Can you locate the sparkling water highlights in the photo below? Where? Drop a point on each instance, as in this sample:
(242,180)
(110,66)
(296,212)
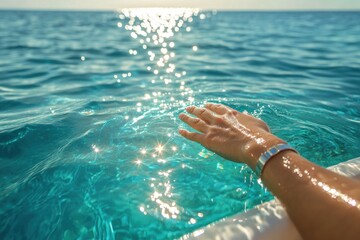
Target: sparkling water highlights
(89,103)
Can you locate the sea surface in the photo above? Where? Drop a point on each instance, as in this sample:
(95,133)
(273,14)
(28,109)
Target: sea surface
(89,101)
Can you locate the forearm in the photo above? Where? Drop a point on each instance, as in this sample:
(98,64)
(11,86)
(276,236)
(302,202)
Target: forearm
(322,204)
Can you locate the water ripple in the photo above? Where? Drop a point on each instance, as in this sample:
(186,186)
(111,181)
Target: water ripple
(89,105)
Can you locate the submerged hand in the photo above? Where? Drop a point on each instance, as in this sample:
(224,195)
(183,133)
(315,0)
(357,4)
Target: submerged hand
(233,135)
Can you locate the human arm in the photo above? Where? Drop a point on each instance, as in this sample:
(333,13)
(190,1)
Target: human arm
(322,204)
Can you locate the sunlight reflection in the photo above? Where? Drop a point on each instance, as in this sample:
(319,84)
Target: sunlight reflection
(314,179)
(159,148)
(95,148)
(154,30)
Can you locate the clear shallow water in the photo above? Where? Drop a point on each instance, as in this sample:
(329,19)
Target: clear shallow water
(88,116)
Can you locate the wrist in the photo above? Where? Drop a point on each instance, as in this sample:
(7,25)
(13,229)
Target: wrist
(257,146)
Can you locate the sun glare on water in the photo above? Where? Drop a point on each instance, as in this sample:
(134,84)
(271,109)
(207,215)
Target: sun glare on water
(155,31)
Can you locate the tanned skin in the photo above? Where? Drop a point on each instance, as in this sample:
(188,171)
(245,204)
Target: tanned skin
(320,203)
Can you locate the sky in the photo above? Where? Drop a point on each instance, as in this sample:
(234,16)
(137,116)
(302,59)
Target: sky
(204,4)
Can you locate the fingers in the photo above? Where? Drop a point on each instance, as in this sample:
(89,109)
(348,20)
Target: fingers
(195,137)
(217,108)
(222,109)
(201,113)
(195,123)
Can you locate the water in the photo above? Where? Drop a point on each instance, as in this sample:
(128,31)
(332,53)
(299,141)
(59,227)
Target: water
(88,128)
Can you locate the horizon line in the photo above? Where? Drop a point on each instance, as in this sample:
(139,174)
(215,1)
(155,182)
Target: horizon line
(203,9)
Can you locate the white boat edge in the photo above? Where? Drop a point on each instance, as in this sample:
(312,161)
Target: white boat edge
(267,221)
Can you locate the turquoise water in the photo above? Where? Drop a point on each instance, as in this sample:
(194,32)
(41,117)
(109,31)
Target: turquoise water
(89,102)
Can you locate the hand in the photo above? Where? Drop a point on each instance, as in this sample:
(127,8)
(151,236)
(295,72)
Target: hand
(233,135)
